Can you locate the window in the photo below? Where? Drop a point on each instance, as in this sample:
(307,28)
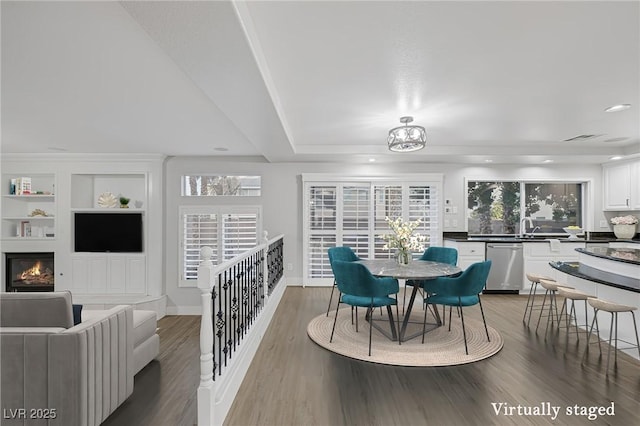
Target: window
(496,207)
(553,206)
(214,185)
(351,212)
(229,231)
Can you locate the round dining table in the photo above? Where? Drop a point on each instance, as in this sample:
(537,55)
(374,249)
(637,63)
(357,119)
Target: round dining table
(415,270)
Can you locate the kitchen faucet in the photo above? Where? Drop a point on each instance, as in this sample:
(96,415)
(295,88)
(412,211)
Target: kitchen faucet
(522,226)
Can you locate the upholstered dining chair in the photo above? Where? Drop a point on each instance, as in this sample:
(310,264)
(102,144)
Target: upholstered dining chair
(345,254)
(446,255)
(358,287)
(463,290)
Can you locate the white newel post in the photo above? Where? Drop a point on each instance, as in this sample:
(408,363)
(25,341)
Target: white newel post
(206,390)
(265,267)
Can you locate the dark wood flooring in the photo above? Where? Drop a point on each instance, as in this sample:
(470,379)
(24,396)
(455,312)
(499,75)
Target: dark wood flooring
(292,381)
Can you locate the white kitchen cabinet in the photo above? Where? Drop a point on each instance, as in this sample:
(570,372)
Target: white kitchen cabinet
(108,273)
(468,252)
(620,186)
(537,256)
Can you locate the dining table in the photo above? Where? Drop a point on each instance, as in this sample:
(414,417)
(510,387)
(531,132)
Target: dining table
(418,270)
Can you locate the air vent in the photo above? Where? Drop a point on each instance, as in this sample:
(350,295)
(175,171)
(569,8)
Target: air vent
(581,138)
(612,140)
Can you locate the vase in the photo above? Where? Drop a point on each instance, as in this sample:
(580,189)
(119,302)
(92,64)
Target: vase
(624,232)
(403,257)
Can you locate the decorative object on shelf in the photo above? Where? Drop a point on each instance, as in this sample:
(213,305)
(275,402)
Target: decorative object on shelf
(107,200)
(12,187)
(624,227)
(23,186)
(404,239)
(124,202)
(407,138)
(38,212)
(573,231)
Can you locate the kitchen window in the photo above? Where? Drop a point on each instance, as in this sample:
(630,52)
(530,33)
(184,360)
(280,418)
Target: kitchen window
(497,207)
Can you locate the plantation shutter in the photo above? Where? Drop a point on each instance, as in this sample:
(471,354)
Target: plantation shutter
(424,205)
(355,218)
(198,230)
(228,230)
(239,234)
(322,228)
(388,203)
(344,211)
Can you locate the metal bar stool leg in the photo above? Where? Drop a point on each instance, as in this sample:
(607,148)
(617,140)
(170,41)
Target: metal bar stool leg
(544,300)
(635,327)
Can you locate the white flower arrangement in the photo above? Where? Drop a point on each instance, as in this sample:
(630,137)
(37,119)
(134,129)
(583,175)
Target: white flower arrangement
(404,237)
(624,220)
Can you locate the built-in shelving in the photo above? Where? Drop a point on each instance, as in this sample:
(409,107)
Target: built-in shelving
(20,218)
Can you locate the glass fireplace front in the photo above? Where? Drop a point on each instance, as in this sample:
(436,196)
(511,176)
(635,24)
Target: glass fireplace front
(29,272)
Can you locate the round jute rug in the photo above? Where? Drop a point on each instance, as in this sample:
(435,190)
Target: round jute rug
(441,348)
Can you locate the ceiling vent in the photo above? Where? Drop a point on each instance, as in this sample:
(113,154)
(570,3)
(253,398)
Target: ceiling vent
(612,140)
(582,138)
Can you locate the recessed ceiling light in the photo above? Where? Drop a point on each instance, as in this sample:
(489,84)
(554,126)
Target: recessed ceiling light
(488,160)
(616,157)
(221,149)
(618,108)
(548,161)
(372,160)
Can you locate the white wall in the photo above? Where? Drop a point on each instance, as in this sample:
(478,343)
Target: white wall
(282,195)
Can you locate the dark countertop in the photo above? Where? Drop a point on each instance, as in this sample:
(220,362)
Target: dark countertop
(596,275)
(625,255)
(489,239)
(594,237)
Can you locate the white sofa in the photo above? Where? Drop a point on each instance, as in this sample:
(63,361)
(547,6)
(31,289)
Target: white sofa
(82,372)
(146,343)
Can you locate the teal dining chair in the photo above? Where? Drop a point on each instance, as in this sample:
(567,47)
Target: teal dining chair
(446,255)
(345,254)
(461,291)
(358,287)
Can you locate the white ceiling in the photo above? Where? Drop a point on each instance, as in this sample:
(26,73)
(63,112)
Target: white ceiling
(322,81)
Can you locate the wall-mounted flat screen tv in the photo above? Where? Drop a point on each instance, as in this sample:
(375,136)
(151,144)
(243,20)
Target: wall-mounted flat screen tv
(108,232)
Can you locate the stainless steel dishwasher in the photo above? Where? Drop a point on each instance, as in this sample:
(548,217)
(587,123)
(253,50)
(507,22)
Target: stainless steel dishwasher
(506,271)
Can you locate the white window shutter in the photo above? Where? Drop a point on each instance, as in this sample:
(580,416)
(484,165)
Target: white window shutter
(239,234)
(198,230)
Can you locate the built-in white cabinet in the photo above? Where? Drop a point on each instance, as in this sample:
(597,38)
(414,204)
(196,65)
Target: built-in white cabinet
(65,186)
(104,273)
(620,186)
(28,215)
(468,252)
(537,256)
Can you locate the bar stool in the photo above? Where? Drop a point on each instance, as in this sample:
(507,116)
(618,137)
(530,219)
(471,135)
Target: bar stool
(613,309)
(573,295)
(551,288)
(535,280)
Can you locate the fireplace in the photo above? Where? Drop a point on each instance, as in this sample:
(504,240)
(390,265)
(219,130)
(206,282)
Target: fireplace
(29,272)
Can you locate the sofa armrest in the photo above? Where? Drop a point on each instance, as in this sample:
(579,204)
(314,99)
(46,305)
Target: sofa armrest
(84,372)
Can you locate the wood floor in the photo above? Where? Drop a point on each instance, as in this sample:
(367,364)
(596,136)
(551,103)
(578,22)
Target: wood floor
(292,381)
